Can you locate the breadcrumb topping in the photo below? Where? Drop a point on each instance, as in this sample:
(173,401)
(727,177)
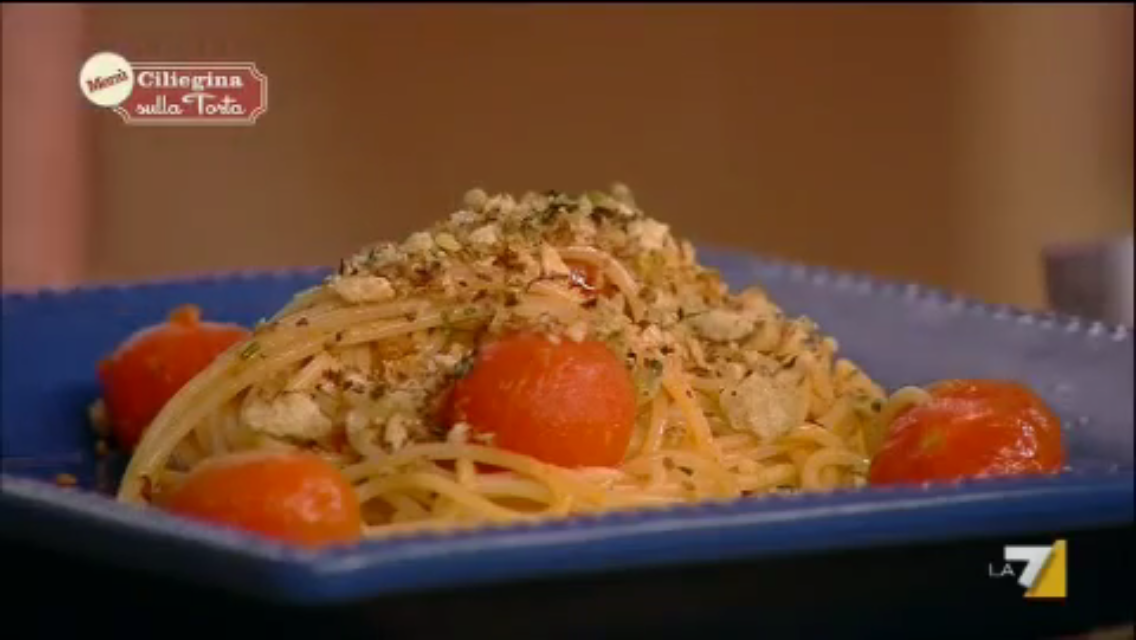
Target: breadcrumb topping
(591,266)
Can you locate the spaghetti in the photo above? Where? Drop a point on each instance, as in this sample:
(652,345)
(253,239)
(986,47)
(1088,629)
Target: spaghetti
(734,398)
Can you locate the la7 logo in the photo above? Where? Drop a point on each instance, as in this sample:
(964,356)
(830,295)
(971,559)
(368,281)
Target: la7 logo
(1044,574)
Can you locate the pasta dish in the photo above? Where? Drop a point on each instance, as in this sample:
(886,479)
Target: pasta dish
(527,358)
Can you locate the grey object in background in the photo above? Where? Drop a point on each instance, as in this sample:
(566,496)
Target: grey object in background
(1093,280)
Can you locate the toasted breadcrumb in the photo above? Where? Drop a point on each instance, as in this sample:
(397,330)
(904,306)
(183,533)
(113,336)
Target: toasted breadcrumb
(591,266)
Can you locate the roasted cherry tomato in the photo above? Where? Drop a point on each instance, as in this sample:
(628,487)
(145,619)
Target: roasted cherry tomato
(293,497)
(153,364)
(970,428)
(564,402)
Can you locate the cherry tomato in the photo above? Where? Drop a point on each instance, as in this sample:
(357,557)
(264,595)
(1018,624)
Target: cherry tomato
(153,364)
(293,497)
(567,403)
(970,428)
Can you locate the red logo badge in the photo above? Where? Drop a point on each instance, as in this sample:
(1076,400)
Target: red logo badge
(176,93)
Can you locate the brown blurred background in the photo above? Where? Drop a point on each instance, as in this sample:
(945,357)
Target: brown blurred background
(939,143)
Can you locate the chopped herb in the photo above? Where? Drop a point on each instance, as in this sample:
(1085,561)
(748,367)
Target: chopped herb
(447,321)
(558,203)
(463,368)
(602,204)
(250,350)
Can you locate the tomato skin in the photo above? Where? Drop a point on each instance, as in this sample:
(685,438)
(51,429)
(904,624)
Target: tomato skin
(291,497)
(971,428)
(149,367)
(566,403)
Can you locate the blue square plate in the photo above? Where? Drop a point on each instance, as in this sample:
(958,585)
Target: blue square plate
(901,334)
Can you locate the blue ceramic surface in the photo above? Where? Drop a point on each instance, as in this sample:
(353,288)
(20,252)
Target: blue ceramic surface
(901,334)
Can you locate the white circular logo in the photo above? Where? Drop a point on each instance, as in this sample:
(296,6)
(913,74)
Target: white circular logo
(107,79)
